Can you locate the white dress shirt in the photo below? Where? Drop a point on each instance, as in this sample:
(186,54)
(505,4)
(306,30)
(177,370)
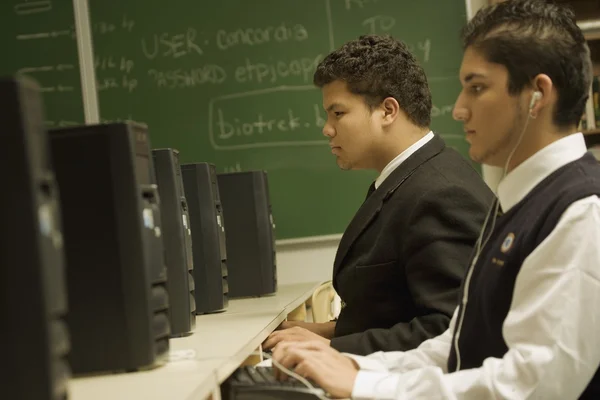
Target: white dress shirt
(400,158)
(552,329)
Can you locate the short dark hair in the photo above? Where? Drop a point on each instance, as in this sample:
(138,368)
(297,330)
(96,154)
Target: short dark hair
(531,37)
(377,67)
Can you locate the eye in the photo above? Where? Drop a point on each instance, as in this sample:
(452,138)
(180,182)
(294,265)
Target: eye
(476,89)
(338,113)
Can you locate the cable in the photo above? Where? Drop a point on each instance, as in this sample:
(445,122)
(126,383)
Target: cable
(479,245)
(315,390)
(192,355)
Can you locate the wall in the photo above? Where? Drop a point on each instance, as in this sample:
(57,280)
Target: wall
(306,262)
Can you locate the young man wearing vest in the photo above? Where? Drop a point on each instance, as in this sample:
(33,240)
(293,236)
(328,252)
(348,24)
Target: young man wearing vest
(527,325)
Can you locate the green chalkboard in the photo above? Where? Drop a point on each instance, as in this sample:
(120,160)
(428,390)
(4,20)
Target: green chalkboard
(37,38)
(230,82)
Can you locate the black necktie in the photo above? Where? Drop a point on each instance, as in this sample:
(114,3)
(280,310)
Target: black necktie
(371,190)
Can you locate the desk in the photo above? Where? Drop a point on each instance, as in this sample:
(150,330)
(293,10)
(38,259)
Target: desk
(199,363)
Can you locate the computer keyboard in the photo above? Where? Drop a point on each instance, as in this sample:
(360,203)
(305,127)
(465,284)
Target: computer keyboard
(259,383)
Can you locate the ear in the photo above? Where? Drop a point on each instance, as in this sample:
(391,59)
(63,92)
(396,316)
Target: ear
(542,84)
(390,109)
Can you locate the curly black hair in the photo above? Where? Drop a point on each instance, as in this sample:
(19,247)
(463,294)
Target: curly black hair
(531,37)
(377,67)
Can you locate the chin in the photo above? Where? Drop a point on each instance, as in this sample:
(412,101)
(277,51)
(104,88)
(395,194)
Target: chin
(344,166)
(475,156)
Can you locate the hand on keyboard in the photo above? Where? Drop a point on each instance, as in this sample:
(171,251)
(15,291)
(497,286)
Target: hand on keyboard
(259,383)
(331,370)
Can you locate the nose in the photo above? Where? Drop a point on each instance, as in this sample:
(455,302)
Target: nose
(460,112)
(328,130)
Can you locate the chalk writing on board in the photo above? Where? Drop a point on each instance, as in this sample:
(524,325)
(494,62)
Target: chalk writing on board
(441,110)
(188,78)
(422,49)
(379,24)
(255,36)
(112,62)
(105,27)
(43,35)
(172,45)
(64,67)
(320,118)
(236,167)
(349,4)
(32,7)
(260,124)
(273,71)
(113,120)
(127,23)
(61,123)
(29,70)
(123,82)
(58,88)
(283,127)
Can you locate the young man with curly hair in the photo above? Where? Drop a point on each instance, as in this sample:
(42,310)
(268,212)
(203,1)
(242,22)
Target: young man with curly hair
(400,262)
(527,324)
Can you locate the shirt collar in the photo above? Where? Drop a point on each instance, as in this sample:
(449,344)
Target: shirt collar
(400,158)
(521,180)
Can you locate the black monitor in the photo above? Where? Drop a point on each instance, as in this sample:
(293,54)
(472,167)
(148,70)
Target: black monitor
(177,238)
(208,233)
(33,299)
(118,301)
(250,229)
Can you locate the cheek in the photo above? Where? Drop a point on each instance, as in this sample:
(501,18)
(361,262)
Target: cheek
(492,118)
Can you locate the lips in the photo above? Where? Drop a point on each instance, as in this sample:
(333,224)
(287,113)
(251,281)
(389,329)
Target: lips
(469,134)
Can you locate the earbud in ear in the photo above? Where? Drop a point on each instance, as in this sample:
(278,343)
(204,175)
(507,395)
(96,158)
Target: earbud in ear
(534,99)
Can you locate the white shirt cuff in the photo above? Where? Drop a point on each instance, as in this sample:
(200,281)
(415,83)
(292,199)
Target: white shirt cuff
(375,385)
(366,363)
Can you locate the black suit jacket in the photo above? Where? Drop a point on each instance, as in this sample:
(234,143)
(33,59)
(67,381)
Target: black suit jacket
(400,263)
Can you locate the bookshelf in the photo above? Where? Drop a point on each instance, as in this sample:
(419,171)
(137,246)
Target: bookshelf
(587,13)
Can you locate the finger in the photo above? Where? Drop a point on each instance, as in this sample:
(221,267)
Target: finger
(280,351)
(289,335)
(281,337)
(316,367)
(300,360)
(309,365)
(271,341)
(284,356)
(285,325)
(287,362)
(314,345)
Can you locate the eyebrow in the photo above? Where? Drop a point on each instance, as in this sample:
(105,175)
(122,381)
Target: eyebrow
(334,105)
(472,76)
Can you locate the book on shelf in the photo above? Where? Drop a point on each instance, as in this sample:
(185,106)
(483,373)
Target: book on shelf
(591,117)
(596,98)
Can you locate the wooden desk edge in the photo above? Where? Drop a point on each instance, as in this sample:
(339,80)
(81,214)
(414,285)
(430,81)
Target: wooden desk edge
(230,364)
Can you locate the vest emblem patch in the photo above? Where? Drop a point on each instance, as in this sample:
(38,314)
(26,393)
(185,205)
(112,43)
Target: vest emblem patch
(508,242)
